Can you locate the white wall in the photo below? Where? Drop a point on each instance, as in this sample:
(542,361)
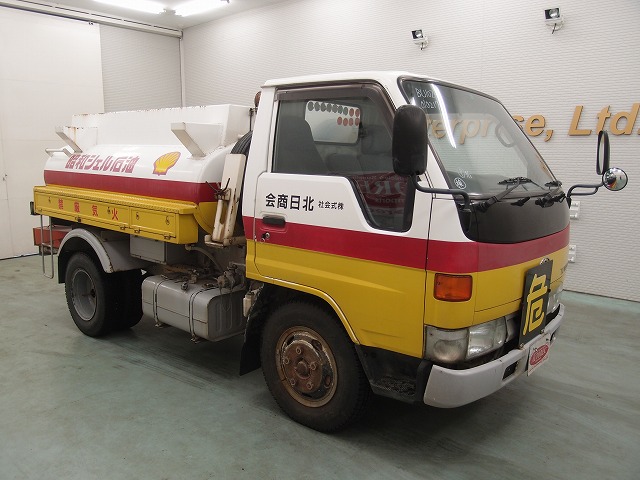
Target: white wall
(49,70)
(140,70)
(502,47)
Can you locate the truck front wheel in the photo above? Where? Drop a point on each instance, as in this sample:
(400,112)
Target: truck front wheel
(312,369)
(88,292)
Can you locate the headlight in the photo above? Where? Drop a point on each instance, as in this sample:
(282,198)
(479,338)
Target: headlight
(450,346)
(447,345)
(486,337)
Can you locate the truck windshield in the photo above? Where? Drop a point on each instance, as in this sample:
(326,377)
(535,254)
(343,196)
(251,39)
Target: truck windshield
(479,146)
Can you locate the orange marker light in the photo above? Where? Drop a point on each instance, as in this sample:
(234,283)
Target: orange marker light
(452,288)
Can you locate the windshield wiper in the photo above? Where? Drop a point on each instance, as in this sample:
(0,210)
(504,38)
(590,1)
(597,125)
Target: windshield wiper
(523,180)
(551,197)
(520,202)
(515,182)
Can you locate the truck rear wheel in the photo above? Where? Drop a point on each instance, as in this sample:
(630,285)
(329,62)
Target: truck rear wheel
(89,296)
(312,369)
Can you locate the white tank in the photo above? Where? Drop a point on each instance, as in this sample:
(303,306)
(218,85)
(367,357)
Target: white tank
(167,154)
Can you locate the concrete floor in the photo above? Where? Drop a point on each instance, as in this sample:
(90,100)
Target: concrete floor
(149,404)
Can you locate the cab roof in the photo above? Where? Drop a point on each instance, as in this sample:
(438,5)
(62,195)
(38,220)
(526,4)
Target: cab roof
(386,78)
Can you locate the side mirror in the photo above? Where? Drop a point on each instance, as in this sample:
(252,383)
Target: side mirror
(614,179)
(409,146)
(602,158)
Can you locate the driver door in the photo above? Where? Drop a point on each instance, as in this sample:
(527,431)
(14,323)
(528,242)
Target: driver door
(333,220)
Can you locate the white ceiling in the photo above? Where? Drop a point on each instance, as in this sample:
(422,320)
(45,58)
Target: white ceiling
(166,19)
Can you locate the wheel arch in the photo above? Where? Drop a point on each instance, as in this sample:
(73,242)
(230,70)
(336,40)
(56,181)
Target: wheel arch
(111,254)
(270,297)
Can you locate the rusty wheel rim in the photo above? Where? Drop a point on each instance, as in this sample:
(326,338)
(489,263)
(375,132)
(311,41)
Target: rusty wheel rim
(306,366)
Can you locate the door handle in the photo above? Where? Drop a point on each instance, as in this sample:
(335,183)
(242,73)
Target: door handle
(274,220)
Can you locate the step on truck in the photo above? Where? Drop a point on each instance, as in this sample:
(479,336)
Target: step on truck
(375,232)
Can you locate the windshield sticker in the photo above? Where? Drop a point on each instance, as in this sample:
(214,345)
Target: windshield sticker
(460,183)
(427,99)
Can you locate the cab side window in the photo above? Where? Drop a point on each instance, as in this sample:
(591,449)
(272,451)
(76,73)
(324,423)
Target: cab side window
(320,133)
(295,149)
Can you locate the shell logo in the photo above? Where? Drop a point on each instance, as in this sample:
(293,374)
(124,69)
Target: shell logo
(165,162)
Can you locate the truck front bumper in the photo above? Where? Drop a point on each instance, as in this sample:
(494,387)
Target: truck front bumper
(448,388)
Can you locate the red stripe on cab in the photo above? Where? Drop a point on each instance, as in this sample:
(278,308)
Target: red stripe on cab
(378,247)
(457,257)
(448,257)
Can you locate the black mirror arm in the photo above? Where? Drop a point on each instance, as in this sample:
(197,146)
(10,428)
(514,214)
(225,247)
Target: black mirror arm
(446,191)
(594,189)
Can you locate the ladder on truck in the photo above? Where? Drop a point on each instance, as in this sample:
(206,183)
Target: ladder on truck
(45,245)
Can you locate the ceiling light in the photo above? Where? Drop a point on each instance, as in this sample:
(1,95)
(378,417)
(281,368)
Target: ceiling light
(140,5)
(197,6)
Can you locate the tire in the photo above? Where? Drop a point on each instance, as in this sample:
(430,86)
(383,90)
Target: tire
(242,146)
(89,295)
(312,368)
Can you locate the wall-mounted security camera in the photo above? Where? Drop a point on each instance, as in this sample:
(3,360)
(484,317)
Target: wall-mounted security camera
(553,18)
(420,39)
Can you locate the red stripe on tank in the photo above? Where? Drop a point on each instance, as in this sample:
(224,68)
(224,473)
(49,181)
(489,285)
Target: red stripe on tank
(147,187)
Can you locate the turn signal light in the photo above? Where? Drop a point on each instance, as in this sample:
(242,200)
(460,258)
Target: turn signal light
(452,288)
